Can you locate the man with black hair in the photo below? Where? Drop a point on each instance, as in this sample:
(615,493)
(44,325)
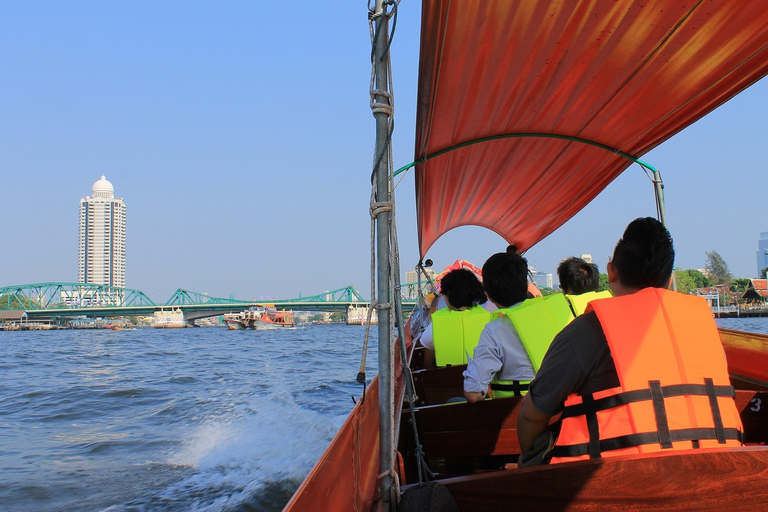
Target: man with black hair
(576,276)
(612,369)
(500,355)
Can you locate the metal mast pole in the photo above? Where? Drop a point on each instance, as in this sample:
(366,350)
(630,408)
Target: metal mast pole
(658,187)
(381,35)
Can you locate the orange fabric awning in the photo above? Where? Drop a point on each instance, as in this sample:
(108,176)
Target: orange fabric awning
(621,73)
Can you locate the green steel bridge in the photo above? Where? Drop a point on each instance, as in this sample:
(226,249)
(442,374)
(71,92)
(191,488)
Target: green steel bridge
(51,301)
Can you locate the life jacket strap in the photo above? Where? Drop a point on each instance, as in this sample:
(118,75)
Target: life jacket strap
(616,443)
(660,412)
(517,387)
(640,395)
(716,416)
(593,427)
(656,393)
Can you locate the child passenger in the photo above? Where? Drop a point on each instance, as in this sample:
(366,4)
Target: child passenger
(500,353)
(460,289)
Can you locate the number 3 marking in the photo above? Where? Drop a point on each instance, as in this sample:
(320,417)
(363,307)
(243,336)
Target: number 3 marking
(756,406)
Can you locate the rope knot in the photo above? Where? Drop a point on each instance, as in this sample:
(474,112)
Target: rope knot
(377,208)
(381,108)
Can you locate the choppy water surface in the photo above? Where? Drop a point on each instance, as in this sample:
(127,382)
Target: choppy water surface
(181,419)
(756,324)
(175,420)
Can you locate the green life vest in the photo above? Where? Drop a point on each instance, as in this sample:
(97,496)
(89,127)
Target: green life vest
(537,322)
(457,332)
(579,302)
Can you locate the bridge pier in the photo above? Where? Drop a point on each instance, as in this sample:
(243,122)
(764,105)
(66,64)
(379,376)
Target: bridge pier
(169,318)
(359,316)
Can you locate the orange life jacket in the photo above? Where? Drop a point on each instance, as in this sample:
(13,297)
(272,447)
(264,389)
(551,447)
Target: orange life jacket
(675,391)
(534,290)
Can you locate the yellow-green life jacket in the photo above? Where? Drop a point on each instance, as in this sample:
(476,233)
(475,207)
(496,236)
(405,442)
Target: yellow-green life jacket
(537,322)
(579,302)
(457,332)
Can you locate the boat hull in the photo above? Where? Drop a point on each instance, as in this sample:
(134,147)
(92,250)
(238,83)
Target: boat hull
(453,434)
(346,476)
(234,324)
(261,325)
(728,479)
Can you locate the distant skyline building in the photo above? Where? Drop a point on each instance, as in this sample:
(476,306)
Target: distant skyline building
(102,236)
(762,252)
(541,279)
(411,291)
(412,275)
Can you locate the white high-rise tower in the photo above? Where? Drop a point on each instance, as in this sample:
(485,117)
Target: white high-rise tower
(102,236)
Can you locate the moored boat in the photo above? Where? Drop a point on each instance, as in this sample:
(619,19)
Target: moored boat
(527,111)
(260,318)
(235,321)
(270,318)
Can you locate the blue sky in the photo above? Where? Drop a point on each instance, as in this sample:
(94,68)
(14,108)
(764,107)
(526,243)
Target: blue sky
(240,137)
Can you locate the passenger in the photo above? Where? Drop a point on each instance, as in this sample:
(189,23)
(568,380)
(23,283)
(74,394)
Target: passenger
(460,290)
(500,354)
(576,276)
(647,340)
(579,282)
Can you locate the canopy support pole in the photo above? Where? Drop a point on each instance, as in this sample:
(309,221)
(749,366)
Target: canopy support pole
(658,187)
(386,457)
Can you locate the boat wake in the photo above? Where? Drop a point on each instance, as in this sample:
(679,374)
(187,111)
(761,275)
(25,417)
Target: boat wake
(252,460)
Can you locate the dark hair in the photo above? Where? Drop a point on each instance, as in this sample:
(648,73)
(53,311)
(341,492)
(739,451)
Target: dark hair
(576,276)
(645,255)
(505,278)
(463,288)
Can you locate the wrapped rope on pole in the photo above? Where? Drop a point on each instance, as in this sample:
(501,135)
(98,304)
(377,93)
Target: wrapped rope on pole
(379,20)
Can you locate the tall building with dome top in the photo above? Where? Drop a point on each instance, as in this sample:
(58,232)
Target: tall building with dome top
(102,236)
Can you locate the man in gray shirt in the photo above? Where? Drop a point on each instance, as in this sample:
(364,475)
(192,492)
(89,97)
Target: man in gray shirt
(500,352)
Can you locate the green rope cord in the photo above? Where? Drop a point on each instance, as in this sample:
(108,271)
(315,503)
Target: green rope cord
(521,135)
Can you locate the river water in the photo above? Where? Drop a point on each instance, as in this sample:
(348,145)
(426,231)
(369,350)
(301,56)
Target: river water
(175,420)
(201,419)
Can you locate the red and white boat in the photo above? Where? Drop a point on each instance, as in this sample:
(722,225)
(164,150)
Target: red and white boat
(260,319)
(271,318)
(236,321)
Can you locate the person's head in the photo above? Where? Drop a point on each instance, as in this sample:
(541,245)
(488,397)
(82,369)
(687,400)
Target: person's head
(505,278)
(643,257)
(576,276)
(462,289)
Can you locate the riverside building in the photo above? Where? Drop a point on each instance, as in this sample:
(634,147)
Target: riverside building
(102,236)
(762,253)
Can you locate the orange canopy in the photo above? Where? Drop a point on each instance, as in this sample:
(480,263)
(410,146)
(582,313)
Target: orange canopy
(622,74)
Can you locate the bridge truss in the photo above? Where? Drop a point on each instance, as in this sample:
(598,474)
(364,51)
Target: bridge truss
(44,296)
(188,298)
(346,294)
(68,299)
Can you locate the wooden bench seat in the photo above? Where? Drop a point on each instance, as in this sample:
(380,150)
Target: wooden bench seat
(464,429)
(753,409)
(436,385)
(460,432)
